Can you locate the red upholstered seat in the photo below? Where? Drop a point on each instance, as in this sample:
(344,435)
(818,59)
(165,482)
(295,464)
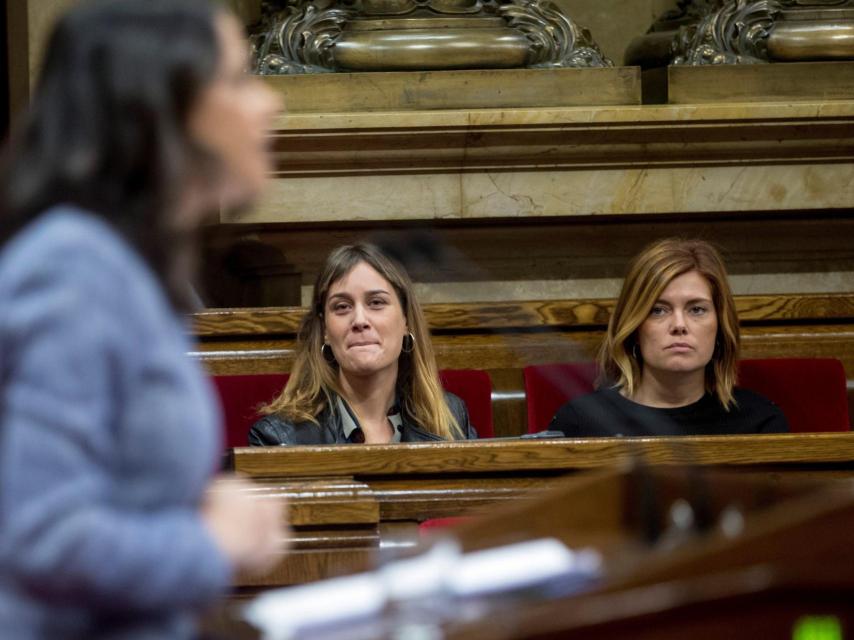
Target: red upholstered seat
(475,388)
(810,391)
(241,395)
(549,386)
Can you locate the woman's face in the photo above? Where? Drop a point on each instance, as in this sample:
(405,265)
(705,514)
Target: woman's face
(232,118)
(364,322)
(679,334)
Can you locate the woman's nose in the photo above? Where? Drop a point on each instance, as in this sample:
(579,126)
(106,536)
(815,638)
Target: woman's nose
(678,326)
(360,318)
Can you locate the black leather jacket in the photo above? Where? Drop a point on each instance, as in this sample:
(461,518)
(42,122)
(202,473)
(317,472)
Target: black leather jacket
(274,430)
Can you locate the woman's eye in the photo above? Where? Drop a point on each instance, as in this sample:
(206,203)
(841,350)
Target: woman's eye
(338,307)
(657,311)
(377,302)
(699,310)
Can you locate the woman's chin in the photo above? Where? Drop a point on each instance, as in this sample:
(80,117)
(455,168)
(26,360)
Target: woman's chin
(363,368)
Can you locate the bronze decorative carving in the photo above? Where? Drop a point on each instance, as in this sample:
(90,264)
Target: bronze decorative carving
(314,36)
(655,47)
(751,31)
(556,40)
(734,34)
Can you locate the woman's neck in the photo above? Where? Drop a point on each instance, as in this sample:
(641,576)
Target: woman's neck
(670,389)
(370,398)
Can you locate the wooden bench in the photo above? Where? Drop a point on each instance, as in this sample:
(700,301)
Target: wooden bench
(345,501)
(502,338)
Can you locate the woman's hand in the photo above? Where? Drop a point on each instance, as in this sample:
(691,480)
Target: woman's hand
(249,527)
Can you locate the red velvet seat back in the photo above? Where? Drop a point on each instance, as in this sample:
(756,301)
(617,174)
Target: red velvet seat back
(240,397)
(475,389)
(810,391)
(549,386)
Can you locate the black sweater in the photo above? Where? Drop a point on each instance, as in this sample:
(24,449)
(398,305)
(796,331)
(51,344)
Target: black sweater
(607,413)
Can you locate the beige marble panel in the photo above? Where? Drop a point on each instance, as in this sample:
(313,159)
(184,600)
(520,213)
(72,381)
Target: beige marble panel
(677,190)
(347,199)
(556,193)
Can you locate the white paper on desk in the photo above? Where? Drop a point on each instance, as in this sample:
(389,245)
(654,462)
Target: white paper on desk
(280,613)
(441,572)
(517,566)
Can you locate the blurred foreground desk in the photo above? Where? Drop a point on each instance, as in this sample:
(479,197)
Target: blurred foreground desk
(758,558)
(349,502)
(693,552)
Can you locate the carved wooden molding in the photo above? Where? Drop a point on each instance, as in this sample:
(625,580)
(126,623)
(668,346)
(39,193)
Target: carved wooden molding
(615,137)
(559,313)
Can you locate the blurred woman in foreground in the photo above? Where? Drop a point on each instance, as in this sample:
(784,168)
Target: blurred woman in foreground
(111,524)
(669,359)
(364,370)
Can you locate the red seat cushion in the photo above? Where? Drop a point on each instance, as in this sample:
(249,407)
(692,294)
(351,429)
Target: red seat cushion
(240,397)
(810,391)
(549,386)
(475,389)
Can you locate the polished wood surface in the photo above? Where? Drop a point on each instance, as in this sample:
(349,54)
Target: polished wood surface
(560,454)
(346,502)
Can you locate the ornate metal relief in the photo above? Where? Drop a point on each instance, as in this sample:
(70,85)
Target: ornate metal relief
(737,33)
(750,31)
(299,39)
(316,36)
(556,41)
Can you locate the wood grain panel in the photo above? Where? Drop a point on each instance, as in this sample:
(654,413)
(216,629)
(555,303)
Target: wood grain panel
(326,501)
(503,456)
(558,313)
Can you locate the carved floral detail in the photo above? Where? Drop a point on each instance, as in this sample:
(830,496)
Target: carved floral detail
(556,40)
(737,33)
(300,39)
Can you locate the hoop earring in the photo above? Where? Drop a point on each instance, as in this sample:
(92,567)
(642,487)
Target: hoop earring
(326,352)
(410,344)
(636,352)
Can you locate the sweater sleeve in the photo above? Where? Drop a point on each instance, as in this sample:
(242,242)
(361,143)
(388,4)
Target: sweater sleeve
(775,422)
(68,532)
(566,420)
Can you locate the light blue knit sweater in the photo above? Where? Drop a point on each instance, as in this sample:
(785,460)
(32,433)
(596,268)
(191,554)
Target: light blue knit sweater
(108,436)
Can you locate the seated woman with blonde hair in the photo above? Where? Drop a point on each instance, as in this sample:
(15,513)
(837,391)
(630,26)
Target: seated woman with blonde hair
(364,369)
(669,360)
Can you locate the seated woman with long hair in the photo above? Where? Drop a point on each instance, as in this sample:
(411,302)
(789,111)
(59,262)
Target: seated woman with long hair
(669,359)
(364,369)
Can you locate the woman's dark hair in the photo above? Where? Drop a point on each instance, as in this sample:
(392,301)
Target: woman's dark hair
(107,126)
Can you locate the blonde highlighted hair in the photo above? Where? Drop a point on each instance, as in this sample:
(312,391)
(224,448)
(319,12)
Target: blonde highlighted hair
(648,275)
(314,379)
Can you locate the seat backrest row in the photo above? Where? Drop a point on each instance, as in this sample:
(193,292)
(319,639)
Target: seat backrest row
(810,391)
(241,396)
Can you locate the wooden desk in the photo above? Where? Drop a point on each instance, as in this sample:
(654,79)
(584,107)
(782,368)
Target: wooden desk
(347,502)
(788,557)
